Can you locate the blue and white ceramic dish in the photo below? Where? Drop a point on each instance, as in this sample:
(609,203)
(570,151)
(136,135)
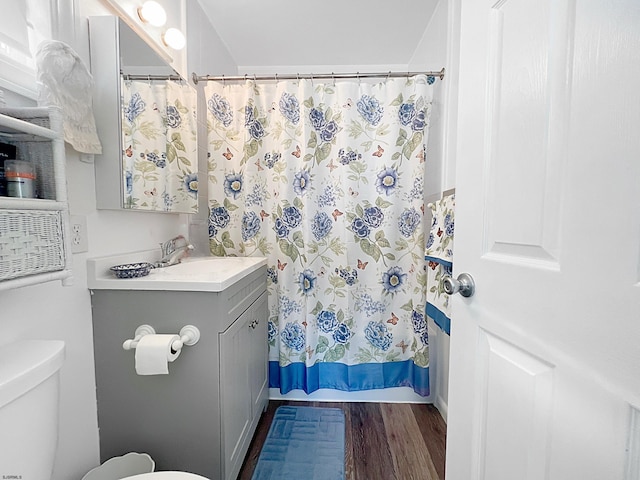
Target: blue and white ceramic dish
(132,270)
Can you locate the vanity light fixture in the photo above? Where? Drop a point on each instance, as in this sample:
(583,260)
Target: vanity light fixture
(153,13)
(174,38)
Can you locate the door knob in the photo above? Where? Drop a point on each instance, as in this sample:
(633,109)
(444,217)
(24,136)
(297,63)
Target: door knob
(463,284)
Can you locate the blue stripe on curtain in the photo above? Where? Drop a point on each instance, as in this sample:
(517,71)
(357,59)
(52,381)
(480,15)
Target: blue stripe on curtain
(439,318)
(364,376)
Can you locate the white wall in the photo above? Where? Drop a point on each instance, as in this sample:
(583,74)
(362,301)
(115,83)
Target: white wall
(206,53)
(439,47)
(51,311)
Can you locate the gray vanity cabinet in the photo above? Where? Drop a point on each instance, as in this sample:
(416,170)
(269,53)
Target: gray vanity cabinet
(199,418)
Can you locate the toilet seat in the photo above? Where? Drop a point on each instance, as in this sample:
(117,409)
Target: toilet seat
(166,476)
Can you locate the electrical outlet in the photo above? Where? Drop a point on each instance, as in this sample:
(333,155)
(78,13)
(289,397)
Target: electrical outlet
(79,240)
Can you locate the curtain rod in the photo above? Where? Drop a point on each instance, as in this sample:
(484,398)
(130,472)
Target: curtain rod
(127,76)
(223,78)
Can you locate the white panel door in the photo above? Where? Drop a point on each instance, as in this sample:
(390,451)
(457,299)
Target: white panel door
(545,357)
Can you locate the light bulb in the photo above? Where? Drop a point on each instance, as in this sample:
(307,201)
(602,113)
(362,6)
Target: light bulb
(173,38)
(153,13)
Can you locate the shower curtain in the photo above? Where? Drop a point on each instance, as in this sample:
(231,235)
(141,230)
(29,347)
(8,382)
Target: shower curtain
(326,181)
(159,144)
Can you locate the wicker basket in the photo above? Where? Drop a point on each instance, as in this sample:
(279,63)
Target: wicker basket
(30,242)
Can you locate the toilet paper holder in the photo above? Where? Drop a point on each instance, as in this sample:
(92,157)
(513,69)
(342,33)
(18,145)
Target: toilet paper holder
(189,335)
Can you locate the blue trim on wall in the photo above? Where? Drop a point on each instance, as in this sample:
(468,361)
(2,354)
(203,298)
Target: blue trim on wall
(439,318)
(338,376)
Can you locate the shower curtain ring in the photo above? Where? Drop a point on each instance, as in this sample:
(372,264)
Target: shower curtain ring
(388,75)
(149,79)
(224,81)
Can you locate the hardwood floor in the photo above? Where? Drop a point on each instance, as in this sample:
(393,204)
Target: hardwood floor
(383,441)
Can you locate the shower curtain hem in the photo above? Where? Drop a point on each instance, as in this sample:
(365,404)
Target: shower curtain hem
(338,376)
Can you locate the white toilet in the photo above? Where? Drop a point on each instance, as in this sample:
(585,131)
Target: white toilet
(29,383)
(166,476)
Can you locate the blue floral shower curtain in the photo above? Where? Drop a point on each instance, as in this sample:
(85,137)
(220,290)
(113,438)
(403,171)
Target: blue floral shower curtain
(326,180)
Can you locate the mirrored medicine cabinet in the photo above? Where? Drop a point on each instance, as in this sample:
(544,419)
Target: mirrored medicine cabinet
(146,120)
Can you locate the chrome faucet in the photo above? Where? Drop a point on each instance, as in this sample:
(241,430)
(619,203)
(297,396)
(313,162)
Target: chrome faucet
(173,251)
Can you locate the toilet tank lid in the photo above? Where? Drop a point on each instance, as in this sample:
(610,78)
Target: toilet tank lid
(27,363)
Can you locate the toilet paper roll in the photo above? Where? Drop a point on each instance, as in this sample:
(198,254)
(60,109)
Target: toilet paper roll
(153,354)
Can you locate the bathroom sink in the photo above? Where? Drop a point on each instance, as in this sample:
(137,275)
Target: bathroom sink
(209,266)
(205,274)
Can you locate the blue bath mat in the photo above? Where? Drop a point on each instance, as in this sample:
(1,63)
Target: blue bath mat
(303,442)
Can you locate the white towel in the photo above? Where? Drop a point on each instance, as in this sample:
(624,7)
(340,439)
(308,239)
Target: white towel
(440,242)
(439,254)
(67,83)
(438,307)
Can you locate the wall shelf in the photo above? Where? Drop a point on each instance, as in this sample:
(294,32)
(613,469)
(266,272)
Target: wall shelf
(34,240)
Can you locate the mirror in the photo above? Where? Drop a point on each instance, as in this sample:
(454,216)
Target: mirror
(146,120)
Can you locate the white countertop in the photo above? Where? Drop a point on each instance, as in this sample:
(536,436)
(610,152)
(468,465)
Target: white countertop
(201,274)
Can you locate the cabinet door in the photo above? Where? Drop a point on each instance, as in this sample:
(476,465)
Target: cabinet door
(259,356)
(235,392)
(243,388)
